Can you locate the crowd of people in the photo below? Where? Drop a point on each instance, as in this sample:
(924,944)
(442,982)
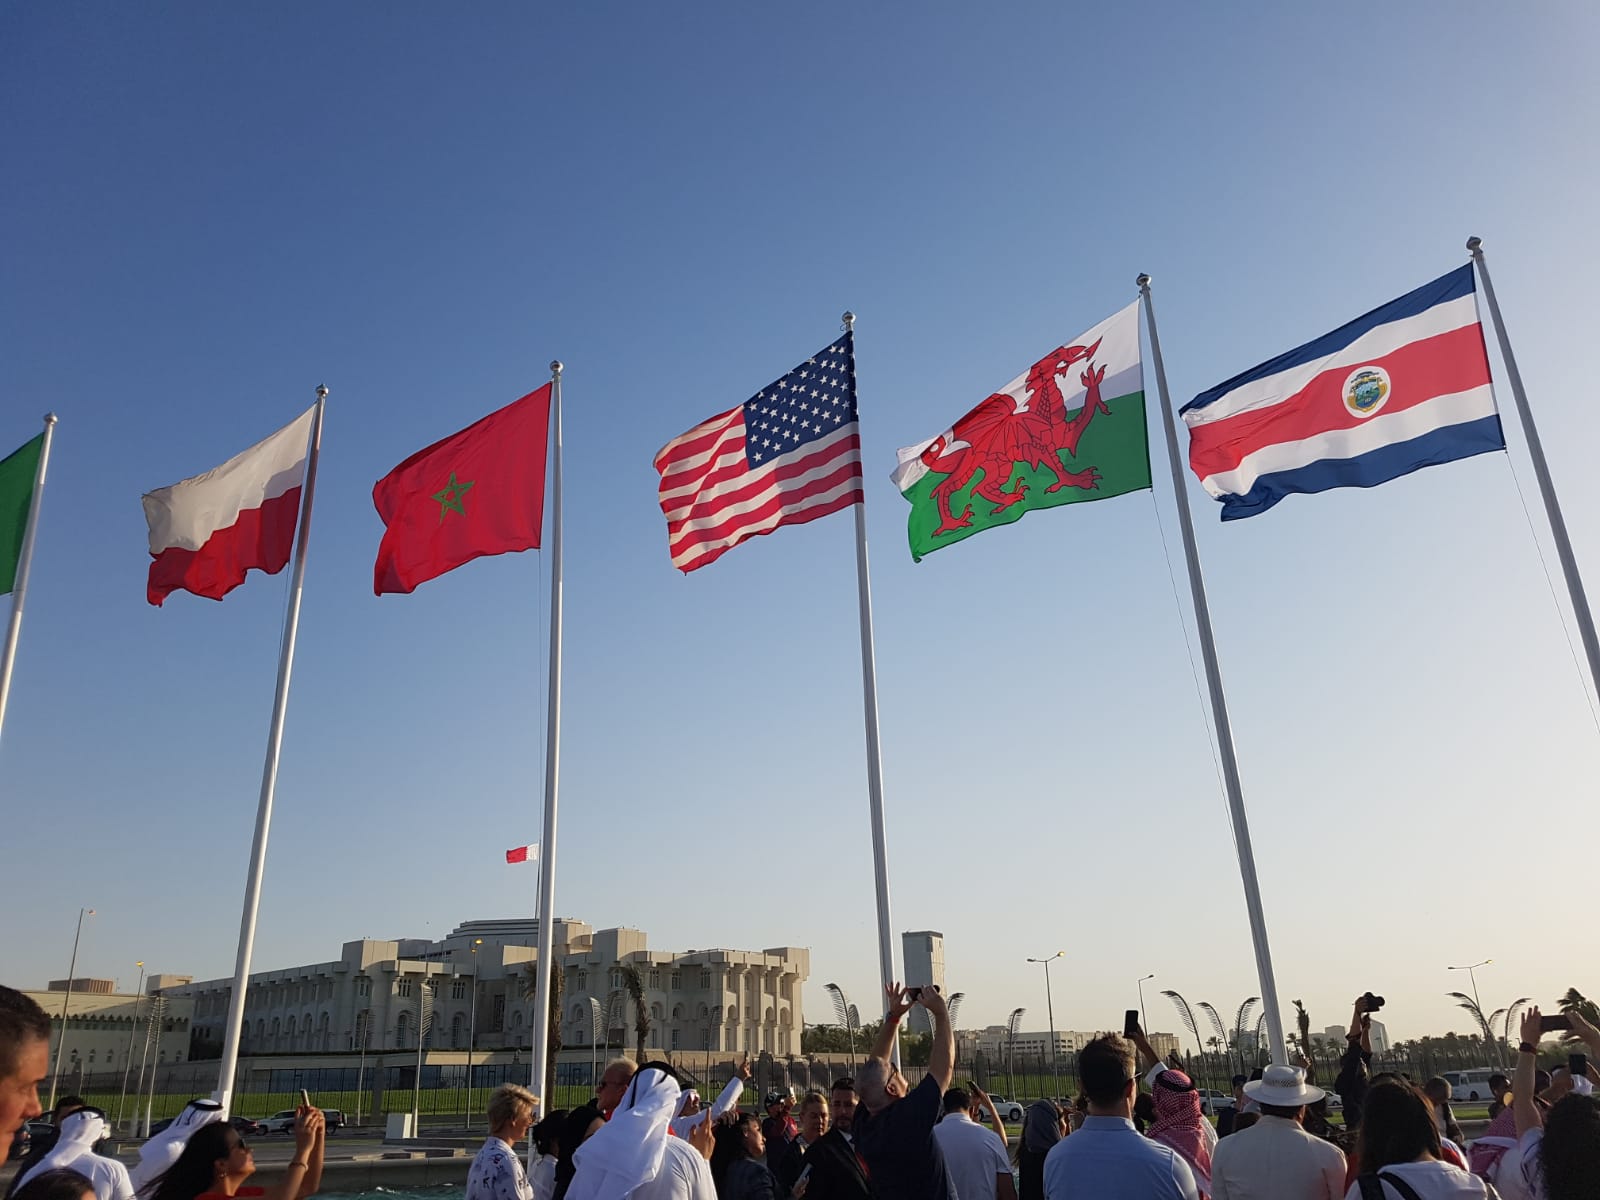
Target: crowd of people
(1137,1131)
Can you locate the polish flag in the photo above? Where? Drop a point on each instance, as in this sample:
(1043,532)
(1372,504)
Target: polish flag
(206,532)
(523,854)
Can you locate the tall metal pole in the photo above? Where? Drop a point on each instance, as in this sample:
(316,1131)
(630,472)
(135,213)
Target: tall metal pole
(1219,701)
(127,1066)
(1472,978)
(19,592)
(1541,471)
(61,1037)
(158,1012)
(472,1025)
(363,1035)
(1050,1013)
(144,1057)
(552,773)
(269,780)
(424,1021)
(869,703)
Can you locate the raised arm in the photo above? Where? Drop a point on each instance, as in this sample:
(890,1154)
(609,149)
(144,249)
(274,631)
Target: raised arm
(983,1098)
(730,1094)
(303,1176)
(1523,1080)
(942,1055)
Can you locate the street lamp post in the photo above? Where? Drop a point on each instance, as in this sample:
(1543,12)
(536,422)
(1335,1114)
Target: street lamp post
(61,1037)
(472,1024)
(1144,1024)
(133,1025)
(1050,1012)
(1472,978)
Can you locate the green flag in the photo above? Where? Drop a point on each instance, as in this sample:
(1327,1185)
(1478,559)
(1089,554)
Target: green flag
(16,496)
(1070,428)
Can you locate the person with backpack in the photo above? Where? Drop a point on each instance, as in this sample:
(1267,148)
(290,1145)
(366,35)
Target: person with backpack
(1400,1156)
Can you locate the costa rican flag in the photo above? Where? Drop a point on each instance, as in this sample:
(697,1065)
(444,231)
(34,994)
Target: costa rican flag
(1405,386)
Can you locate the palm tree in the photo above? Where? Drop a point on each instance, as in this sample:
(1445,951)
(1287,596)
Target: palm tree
(1241,1026)
(1186,1015)
(530,993)
(1486,1023)
(1576,1001)
(1216,1024)
(848,1019)
(954,1006)
(633,984)
(1012,1025)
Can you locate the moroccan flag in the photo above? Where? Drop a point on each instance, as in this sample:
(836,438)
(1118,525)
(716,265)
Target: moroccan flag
(207,532)
(1070,428)
(477,492)
(16,498)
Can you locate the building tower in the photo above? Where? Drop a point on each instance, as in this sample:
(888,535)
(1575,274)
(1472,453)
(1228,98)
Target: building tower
(923,953)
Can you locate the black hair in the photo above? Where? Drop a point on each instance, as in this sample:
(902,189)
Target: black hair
(1570,1152)
(729,1147)
(70,1102)
(1397,1126)
(546,1135)
(845,1083)
(196,1169)
(21,1021)
(60,1184)
(956,1100)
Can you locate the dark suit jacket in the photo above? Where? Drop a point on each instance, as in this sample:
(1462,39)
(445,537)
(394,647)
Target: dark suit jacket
(836,1173)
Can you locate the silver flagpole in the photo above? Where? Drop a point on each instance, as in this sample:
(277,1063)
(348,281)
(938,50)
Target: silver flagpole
(552,773)
(19,593)
(269,778)
(869,702)
(1547,489)
(1219,702)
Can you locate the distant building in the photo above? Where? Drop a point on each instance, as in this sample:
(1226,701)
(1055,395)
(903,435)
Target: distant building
(923,953)
(1034,1045)
(89,987)
(105,1028)
(1380,1036)
(475,986)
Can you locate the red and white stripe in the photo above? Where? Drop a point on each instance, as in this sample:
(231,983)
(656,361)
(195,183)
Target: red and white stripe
(520,854)
(208,531)
(1297,416)
(713,500)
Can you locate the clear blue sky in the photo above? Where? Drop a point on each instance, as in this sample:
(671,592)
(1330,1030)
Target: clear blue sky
(212,209)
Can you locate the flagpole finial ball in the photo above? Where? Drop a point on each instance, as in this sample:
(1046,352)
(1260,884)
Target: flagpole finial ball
(322,391)
(1143,281)
(849,320)
(50,418)
(555,367)
(1474,244)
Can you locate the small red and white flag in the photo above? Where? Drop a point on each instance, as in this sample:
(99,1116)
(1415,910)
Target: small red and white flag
(523,854)
(207,532)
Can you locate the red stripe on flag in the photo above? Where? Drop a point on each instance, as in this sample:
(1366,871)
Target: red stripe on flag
(520,854)
(749,530)
(1442,365)
(785,473)
(260,540)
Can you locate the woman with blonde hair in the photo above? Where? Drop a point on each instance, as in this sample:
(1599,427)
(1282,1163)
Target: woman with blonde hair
(497,1172)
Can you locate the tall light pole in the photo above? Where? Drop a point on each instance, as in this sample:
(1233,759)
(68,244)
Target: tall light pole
(133,1024)
(1143,1024)
(1473,979)
(61,1037)
(1050,1011)
(472,1024)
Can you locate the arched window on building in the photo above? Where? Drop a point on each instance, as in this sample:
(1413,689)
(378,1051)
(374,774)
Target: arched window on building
(402,1031)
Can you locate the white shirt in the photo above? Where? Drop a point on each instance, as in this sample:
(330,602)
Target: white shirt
(497,1174)
(684,1175)
(974,1156)
(681,1126)
(543,1177)
(1275,1159)
(1430,1180)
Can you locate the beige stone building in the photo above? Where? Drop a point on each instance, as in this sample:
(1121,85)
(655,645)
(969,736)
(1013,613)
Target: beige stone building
(472,986)
(105,1027)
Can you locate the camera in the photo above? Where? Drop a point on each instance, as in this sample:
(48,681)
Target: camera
(914,993)
(1371,1003)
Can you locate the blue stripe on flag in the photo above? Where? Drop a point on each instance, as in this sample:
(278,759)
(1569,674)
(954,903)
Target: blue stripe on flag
(1452,286)
(1370,469)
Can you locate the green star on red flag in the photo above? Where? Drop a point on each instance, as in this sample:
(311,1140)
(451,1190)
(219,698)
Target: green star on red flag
(450,497)
(501,460)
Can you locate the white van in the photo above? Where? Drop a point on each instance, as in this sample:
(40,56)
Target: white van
(1472,1084)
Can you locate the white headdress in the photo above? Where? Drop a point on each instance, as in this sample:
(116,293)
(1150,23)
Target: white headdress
(627,1150)
(158,1154)
(74,1151)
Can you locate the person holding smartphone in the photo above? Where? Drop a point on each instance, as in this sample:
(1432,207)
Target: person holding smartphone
(217,1163)
(1560,1149)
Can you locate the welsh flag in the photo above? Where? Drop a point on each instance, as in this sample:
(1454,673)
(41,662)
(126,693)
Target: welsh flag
(16,498)
(1070,428)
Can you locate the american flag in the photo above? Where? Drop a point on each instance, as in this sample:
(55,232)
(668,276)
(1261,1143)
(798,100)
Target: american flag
(789,454)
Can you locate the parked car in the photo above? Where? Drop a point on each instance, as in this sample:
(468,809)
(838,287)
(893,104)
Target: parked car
(278,1122)
(334,1118)
(1335,1104)
(1009,1110)
(1213,1102)
(244,1125)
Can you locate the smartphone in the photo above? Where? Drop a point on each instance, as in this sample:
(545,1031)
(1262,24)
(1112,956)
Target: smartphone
(305,1098)
(1550,1022)
(1578,1065)
(805,1174)
(1130,1022)
(914,994)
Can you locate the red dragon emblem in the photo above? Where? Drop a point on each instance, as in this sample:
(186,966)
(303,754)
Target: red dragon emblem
(1003,431)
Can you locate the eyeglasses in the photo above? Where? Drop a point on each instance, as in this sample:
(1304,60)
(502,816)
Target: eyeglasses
(241,1144)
